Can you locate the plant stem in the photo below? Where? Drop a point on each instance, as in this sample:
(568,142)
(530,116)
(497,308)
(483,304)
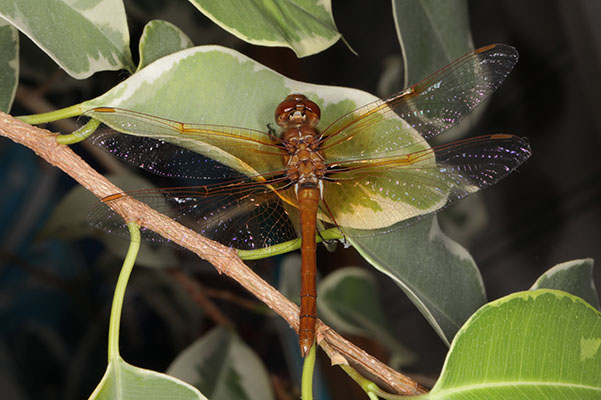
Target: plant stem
(307,376)
(67,112)
(286,247)
(128,265)
(80,134)
(368,386)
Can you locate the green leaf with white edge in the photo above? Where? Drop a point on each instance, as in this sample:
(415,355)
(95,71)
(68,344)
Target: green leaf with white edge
(159,39)
(574,277)
(432,34)
(436,273)
(223,367)
(305,26)
(219,86)
(69,221)
(123,381)
(9,64)
(348,300)
(529,345)
(222,87)
(81,37)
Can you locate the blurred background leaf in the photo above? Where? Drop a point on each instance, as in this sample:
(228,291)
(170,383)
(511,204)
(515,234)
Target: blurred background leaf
(574,277)
(9,67)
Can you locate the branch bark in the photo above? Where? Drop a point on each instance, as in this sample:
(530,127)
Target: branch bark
(224,259)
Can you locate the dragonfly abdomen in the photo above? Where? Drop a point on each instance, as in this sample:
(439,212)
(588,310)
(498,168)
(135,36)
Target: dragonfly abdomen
(308,202)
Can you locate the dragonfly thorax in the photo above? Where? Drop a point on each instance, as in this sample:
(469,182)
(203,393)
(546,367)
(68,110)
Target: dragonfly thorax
(304,161)
(298,116)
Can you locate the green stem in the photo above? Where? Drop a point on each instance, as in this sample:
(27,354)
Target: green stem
(128,265)
(270,251)
(67,112)
(307,376)
(285,247)
(371,389)
(80,134)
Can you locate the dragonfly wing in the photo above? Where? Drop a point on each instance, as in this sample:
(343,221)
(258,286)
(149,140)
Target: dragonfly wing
(403,122)
(244,150)
(162,158)
(378,193)
(246,218)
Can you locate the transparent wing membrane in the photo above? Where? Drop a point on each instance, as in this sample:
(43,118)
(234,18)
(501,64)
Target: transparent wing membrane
(162,158)
(175,149)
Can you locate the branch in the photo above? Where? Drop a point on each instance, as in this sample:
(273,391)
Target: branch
(223,258)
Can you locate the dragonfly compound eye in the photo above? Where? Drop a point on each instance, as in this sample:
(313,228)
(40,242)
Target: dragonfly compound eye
(297,108)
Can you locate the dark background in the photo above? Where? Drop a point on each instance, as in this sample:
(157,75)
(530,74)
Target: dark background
(54,299)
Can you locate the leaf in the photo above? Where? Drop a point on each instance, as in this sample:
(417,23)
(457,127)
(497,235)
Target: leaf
(159,39)
(348,300)
(69,221)
(223,367)
(193,85)
(305,26)
(574,277)
(289,277)
(9,64)
(432,33)
(464,220)
(81,37)
(149,256)
(431,269)
(544,344)
(124,381)
(208,77)
(289,285)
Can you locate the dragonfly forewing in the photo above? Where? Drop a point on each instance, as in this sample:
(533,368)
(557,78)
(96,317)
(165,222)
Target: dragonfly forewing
(175,149)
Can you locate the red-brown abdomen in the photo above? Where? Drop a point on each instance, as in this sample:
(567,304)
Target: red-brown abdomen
(308,201)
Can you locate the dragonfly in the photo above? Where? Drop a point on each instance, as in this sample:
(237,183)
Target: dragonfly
(371,170)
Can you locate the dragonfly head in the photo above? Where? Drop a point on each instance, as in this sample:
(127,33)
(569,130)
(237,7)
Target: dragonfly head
(297,110)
